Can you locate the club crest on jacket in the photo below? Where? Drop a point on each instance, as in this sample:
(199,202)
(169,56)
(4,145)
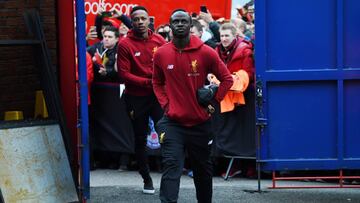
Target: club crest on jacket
(154,50)
(194,66)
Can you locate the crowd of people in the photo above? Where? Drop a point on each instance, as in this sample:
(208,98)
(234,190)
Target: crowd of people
(143,72)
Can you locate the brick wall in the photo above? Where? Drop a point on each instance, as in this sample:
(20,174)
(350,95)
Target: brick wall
(19,77)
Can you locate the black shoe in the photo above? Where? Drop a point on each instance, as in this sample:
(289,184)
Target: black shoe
(148,187)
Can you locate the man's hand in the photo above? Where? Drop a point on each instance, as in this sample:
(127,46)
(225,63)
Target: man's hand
(207,17)
(220,20)
(101,9)
(210,109)
(234,76)
(212,79)
(116,12)
(102,71)
(115,66)
(92,34)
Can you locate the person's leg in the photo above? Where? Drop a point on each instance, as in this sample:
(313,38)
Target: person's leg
(140,128)
(172,150)
(138,112)
(197,145)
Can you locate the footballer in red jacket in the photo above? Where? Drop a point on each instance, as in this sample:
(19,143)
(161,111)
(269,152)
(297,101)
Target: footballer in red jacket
(135,65)
(180,69)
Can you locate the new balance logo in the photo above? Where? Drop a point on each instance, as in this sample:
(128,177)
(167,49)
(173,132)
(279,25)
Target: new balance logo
(137,53)
(170,67)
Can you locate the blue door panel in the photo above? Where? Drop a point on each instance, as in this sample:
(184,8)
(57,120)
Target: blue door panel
(294,29)
(308,84)
(352,34)
(301,114)
(352,119)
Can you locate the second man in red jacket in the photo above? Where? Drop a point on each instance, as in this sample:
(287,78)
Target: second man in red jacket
(135,64)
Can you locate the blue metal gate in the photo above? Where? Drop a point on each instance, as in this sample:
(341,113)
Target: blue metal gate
(308,84)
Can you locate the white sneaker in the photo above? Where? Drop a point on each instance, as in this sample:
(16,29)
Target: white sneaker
(148,187)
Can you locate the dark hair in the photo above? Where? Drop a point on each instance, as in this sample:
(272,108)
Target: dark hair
(197,24)
(194,15)
(136,8)
(112,29)
(106,23)
(182,10)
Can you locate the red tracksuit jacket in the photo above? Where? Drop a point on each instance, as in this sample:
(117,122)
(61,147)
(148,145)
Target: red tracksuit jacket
(135,62)
(179,73)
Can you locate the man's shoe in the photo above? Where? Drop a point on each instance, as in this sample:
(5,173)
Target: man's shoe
(148,187)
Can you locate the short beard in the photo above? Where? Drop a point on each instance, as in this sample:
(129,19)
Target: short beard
(181,36)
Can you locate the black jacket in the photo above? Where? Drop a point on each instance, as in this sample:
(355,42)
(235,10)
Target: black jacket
(110,54)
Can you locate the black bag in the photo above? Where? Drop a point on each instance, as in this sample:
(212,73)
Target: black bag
(206,94)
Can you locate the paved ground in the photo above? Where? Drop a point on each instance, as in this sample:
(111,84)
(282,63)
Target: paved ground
(113,186)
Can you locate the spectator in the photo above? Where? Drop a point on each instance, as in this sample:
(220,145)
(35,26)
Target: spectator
(164,31)
(197,30)
(123,30)
(105,18)
(103,56)
(234,120)
(107,107)
(211,25)
(206,32)
(242,30)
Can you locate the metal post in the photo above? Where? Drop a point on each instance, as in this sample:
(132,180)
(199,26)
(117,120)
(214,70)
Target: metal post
(258,165)
(84,114)
(228,169)
(259,177)
(273,179)
(1,197)
(341,178)
(261,122)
